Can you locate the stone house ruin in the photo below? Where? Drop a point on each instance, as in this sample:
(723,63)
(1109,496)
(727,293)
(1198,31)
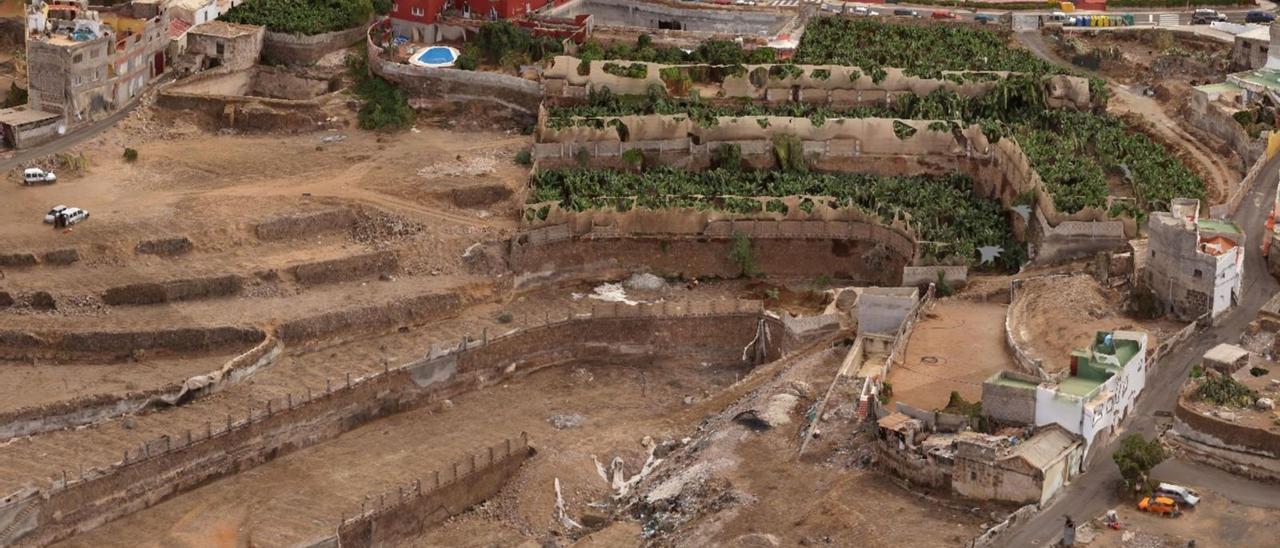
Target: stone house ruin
(220,44)
(1099,392)
(1194,266)
(1028,467)
(1025,472)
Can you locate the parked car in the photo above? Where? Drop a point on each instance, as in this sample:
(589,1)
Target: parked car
(1057,16)
(904,12)
(865,11)
(70,216)
(1204,16)
(1164,506)
(53,213)
(984,18)
(1259,17)
(944,14)
(1178,493)
(37,176)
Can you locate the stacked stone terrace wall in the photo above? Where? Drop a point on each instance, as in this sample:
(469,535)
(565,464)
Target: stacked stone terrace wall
(185,460)
(1000,170)
(282,48)
(1227,435)
(71,346)
(831,85)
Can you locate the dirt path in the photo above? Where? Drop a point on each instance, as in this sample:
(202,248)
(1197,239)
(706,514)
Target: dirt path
(1217,172)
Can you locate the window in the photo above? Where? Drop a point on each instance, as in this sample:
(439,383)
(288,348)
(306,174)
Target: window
(419,12)
(395,8)
(222,49)
(973,476)
(1198,274)
(79,57)
(93,54)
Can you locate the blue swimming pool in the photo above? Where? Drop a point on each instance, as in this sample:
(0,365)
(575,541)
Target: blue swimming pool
(436,56)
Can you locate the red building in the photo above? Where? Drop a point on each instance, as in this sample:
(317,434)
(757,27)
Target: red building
(425,12)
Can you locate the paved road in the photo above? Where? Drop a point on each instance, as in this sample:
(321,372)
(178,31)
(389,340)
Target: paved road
(1095,491)
(74,138)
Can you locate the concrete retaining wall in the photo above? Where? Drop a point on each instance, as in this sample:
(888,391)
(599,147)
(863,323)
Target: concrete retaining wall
(374,318)
(181,462)
(407,513)
(1228,435)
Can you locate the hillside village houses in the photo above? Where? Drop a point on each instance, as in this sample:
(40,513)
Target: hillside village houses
(1195,266)
(1101,389)
(86,63)
(416,19)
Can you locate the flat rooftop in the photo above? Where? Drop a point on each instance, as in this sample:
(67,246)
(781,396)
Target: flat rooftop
(1077,386)
(223,29)
(1266,78)
(1218,225)
(17,116)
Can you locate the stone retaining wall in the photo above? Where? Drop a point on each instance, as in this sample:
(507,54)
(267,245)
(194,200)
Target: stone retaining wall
(594,245)
(282,48)
(71,346)
(407,513)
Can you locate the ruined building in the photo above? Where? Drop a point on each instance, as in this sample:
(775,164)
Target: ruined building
(1194,266)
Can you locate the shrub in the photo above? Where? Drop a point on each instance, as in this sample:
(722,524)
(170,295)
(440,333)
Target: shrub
(633,158)
(743,255)
(382,7)
(17,96)
(727,156)
(130,155)
(385,105)
(469,58)
(789,151)
(524,157)
(1258,371)
(634,70)
(1224,390)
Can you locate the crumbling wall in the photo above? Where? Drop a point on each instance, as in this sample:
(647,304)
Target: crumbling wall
(173,290)
(90,409)
(180,462)
(912,467)
(18,259)
(383,317)
(288,227)
(165,247)
(434,498)
(60,257)
(343,269)
(22,345)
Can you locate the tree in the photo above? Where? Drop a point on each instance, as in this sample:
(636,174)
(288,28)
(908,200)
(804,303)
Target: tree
(1136,457)
(497,38)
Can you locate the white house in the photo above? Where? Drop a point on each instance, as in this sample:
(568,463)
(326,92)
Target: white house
(1102,389)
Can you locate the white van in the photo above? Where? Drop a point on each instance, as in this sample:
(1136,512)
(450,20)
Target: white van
(1179,494)
(37,176)
(53,213)
(74,215)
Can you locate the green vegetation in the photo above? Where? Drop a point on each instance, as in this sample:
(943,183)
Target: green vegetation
(130,155)
(502,43)
(949,218)
(524,157)
(17,96)
(1224,390)
(919,50)
(385,106)
(1074,152)
(1135,458)
(957,405)
(714,52)
(744,256)
(302,16)
(638,71)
